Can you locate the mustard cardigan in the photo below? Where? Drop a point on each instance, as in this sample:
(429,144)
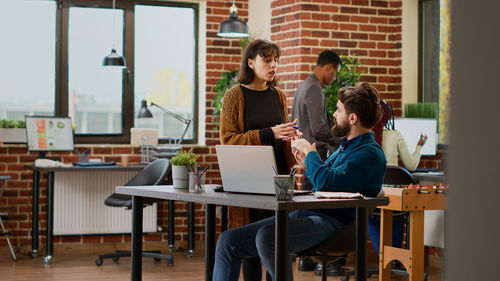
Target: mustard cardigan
(232,131)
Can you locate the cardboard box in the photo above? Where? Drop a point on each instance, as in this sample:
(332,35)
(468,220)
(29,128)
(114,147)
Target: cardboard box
(143,136)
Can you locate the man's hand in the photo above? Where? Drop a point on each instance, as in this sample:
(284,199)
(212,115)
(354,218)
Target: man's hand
(299,157)
(303,146)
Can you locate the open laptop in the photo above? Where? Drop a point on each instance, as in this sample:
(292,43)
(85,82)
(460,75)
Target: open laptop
(248,168)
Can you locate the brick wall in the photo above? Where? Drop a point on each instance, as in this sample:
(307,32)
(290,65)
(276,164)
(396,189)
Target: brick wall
(368,30)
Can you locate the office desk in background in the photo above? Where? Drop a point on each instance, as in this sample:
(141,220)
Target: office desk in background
(281,208)
(83,172)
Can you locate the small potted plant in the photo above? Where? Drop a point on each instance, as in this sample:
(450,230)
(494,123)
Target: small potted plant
(12,131)
(180,176)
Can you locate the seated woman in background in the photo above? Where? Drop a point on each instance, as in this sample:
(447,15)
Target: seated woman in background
(393,143)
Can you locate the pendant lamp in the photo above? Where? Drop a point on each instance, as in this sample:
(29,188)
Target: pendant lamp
(233,27)
(113,59)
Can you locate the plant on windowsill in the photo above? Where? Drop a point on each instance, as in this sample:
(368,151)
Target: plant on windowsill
(12,131)
(421,110)
(180,176)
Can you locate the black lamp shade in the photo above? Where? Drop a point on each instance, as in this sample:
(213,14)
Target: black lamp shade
(113,59)
(233,27)
(144,111)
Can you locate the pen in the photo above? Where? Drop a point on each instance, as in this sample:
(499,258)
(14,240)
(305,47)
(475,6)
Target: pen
(295,127)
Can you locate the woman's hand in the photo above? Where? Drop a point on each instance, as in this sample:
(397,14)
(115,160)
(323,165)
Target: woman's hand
(422,140)
(286,130)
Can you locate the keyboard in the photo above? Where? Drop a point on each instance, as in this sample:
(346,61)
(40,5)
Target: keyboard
(93,164)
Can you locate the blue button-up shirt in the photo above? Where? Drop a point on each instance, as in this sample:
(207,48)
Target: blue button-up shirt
(358,165)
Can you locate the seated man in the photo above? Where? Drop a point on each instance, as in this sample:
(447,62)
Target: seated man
(357,166)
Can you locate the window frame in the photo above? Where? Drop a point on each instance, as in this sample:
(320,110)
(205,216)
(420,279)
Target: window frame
(61,95)
(421,43)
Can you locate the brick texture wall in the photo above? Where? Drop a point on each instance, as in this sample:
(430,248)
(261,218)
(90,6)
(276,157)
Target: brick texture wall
(369,30)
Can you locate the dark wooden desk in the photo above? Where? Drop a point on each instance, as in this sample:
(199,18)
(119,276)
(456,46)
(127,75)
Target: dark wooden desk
(281,208)
(50,200)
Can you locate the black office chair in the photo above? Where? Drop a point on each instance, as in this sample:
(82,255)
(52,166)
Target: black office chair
(152,174)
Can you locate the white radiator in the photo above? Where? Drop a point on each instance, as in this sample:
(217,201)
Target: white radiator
(79,204)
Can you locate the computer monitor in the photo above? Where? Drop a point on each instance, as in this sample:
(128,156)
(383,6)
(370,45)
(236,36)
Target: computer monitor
(49,133)
(411,128)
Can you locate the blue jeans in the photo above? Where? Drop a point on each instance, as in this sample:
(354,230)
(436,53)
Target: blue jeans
(306,229)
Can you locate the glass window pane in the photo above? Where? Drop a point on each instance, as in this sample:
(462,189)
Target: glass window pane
(165,53)
(95,91)
(27,56)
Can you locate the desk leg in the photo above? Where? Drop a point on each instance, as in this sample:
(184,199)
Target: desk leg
(416,248)
(361,273)
(136,254)
(281,255)
(171,225)
(50,218)
(34,214)
(209,241)
(190,229)
(385,264)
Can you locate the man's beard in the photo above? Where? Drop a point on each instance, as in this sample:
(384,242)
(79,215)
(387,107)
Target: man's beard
(340,130)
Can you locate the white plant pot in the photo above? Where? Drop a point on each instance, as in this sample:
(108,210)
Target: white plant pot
(13,135)
(180,177)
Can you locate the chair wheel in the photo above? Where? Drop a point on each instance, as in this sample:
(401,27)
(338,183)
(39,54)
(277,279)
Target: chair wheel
(98,262)
(115,259)
(170,262)
(157,259)
(345,278)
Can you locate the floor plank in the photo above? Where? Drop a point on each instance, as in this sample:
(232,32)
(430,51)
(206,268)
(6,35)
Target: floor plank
(76,262)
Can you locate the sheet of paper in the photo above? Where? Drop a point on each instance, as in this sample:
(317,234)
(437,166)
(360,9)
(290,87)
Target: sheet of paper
(340,195)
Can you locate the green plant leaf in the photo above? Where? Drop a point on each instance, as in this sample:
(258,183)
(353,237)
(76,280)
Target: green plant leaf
(347,76)
(185,158)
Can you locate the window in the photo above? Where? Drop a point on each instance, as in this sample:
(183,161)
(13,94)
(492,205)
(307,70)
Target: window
(65,77)
(27,54)
(165,68)
(94,91)
(434,69)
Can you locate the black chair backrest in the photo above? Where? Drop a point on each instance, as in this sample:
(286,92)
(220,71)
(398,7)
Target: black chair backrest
(398,175)
(152,174)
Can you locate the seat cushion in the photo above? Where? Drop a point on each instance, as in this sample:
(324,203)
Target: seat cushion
(119,200)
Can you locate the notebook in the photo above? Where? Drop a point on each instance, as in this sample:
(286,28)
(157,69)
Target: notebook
(247,168)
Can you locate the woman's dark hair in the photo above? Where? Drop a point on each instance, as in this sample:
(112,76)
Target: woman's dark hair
(364,101)
(386,121)
(264,48)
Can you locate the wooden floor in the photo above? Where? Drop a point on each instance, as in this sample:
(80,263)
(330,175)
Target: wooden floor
(76,262)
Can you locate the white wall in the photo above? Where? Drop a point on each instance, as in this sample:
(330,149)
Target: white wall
(259,18)
(410,52)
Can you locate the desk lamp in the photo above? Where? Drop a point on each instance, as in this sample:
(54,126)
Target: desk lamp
(144,112)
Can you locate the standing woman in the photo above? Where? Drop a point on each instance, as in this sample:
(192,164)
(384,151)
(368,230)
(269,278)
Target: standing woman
(255,112)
